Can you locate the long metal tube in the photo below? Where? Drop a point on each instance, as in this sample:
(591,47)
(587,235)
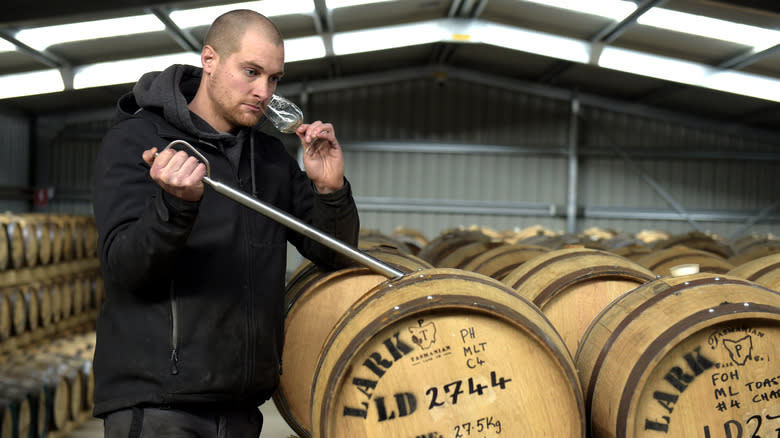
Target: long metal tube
(292,222)
(303,228)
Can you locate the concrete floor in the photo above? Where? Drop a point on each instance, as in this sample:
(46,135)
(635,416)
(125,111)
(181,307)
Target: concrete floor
(274,426)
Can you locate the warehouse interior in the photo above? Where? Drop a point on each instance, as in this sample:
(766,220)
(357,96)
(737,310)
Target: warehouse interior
(545,122)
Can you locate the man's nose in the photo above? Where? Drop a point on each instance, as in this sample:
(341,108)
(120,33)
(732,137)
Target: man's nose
(263,91)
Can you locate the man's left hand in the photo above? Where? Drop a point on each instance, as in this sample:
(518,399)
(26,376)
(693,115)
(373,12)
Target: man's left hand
(322,156)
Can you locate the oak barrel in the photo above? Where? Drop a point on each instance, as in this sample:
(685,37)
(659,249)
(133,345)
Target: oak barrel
(97,290)
(697,240)
(445,352)
(15,404)
(661,261)
(415,240)
(15,241)
(43,294)
(70,370)
(18,310)
(89,236)
(689,356)
(66,295)
(78,291)
(5,316)
(753,249)
(65,240)
(500,261)
(448,241)
(369,239)
(315,301)
(29,400)
(4,249)
(632,252)
(572,285)
(29,235)
(57,239)
(464,254)
(55,290)
(6,418)
(42,229)
(78,352)
(32,307)
(764,271)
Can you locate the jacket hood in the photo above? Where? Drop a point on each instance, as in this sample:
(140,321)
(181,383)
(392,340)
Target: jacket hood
(167,93)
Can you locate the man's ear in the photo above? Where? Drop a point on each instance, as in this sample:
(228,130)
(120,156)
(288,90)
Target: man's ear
(208,59)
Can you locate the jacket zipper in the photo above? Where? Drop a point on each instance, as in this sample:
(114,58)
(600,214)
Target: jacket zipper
(250,350)
(174,333)
(250,310)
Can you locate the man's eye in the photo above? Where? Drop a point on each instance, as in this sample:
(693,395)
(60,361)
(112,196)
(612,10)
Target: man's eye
(250,72)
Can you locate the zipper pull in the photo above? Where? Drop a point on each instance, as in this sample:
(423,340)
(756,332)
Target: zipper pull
(174,361)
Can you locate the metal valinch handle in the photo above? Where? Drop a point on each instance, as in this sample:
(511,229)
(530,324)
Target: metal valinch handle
(290,221)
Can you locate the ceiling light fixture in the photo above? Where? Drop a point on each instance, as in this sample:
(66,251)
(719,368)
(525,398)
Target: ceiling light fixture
(335,4)
(460,31)
(691,73)
(189,18)
(5,46)
(128,70)
(613,9)
(753,36)
(302,49)
(390,37)
(40,38)
(654,66)
(28,84)
(530,41)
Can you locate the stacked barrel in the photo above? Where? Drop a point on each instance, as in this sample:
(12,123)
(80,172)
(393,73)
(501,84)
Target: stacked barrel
(536,333)
(46,387)
(50,290)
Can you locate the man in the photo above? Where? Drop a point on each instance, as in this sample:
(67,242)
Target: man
(189,337)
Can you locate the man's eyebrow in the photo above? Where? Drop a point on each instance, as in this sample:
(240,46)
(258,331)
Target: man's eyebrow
(261,68)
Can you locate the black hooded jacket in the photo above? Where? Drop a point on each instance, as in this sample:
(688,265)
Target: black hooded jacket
(193,313)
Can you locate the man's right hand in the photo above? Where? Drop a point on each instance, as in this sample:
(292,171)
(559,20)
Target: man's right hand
(176,172)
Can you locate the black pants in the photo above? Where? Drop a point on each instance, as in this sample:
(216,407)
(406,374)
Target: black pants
(152,422)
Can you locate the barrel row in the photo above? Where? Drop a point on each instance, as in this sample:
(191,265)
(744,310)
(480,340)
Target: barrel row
(446,349)
(28,240)
(46,389)
(572,284)
(458,248)
(38,310)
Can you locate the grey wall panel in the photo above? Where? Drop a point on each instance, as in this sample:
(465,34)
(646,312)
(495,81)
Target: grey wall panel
(703,171)
(14,150)
(457,112)
(604,128)
(461,181)
(15,163)
(66,161)
(454,111)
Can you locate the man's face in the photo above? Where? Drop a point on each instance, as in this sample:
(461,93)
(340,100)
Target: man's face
(241,84)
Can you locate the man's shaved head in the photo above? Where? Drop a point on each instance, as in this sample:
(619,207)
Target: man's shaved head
(226,32)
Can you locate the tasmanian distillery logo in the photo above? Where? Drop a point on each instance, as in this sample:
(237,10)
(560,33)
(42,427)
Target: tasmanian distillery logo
(424,336)
(739,350)
(738,343)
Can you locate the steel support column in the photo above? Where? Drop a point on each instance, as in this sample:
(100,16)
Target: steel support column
(573,155)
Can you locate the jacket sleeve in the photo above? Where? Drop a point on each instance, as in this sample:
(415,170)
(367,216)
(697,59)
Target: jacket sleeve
(334,214)
(141,228)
